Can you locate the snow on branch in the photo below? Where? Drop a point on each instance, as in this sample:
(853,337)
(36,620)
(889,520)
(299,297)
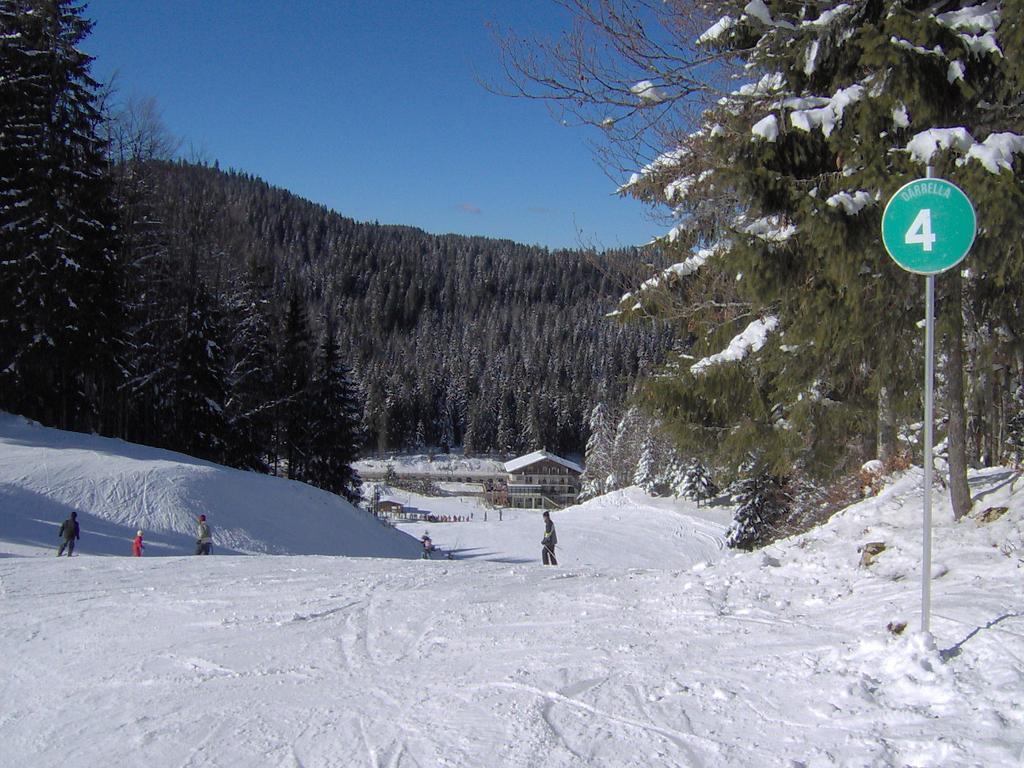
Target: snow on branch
(759,11)
(976,26)
(681,269)
(663,162)
(995,153)
(772,229)
(767,85)
(829,17)
(901,43)
(767,128)
(668,277)
(752,339)
(807,113)
(900,117)
(977,18)
(679,188)
(649,92)
(852,203)
(924,145)
(714,32)
(817,112)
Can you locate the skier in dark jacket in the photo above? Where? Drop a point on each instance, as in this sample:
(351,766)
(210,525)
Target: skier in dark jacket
(70,532)
(549,541)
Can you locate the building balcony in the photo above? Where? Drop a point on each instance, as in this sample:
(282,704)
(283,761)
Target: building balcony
(545,490)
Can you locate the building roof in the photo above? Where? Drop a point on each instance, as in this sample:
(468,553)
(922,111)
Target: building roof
(533,458)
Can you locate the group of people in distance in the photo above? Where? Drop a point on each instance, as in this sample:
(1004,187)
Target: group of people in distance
(70,532)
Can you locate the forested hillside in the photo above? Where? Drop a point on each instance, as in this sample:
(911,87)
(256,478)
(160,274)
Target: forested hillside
(180,306)
(493,345)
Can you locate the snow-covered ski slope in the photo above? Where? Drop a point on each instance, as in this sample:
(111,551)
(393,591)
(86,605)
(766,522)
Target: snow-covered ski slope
(776,658)
(117,488)
(626,529)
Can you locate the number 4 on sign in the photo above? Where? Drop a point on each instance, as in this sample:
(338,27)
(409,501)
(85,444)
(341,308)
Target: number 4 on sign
(920,232)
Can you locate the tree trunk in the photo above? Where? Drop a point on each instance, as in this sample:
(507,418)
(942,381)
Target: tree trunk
(887,445)
(960,493)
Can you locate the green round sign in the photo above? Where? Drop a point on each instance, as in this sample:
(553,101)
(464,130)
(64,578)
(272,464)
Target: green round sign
(928,226)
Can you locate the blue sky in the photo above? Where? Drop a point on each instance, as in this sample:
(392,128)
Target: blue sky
(371,107)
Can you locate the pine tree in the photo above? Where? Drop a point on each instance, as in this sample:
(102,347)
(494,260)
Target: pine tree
(198,389)
(675,474)
(336,432)
(293,376)
(646,468)
(1015,429)
(58,282)
(598,457)
(137,138)
(697,483)
(873,91)
(627,445)
(508,435)
(252,397)
(762,506)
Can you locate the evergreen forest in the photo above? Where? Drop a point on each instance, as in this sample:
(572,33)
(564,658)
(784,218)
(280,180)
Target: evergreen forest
(774,348)
(181,306)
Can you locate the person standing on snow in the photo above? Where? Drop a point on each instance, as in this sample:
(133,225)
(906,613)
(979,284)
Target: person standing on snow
(204,540)
(137,545)
(70,532)
(549,541)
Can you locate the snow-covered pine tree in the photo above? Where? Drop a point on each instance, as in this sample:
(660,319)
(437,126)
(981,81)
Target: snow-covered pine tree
(478,436)
(1015,430)
(803,331)
(646,467)
(531,434)
(196,392)
(252,398)
(762,506)
(59,324)
(507,432)
(137,138)
(697,483)
(335,424)
(454,419)
(293,377)
(419,440)
(875,92)
(630,432)
(846,102)
(598,457)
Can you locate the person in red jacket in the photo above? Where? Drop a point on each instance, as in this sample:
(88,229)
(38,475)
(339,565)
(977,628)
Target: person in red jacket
(137,545)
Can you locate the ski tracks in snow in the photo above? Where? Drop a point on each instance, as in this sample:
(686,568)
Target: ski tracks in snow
(693,750)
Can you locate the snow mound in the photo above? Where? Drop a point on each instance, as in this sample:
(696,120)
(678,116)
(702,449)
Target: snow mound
(118,487)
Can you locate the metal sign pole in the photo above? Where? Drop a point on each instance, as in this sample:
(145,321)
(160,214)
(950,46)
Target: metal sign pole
(929,415)
(928,226)
(929,420)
